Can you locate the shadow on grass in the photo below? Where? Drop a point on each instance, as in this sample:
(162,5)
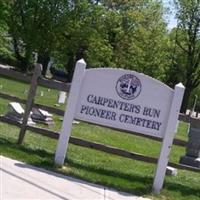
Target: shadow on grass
(186,191)
(143,184)
(139,184)
(37,157)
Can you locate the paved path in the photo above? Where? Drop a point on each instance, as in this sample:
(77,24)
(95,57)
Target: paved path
(19,181)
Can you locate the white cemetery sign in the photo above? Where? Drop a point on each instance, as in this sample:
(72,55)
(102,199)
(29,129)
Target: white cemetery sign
(126,100)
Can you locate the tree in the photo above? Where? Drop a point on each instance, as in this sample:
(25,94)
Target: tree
(5,43)
(114,33)
(188,43)
(138,35)
(65,30)
(34,26)
(84,36)
(175,71)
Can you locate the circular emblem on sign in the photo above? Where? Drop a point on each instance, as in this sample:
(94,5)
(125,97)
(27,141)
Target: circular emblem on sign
(128,86)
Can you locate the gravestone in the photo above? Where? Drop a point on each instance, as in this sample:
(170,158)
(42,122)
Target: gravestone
(192,157)
(16,113)
(42,116)
(62,97)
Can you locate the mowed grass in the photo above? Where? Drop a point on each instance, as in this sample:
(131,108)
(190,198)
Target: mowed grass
(95,166)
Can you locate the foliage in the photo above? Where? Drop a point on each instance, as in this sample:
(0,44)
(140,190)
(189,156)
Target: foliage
(106,33)
(6,55)
(84,36)
(34,26)
(126,34)
(188,45)
(137,34)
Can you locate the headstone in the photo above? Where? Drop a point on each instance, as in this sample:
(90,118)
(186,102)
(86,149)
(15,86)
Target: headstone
(187,112)
(16,108)
(192,157)
(41,116)
(16,113)
(76,122)
(171,171)
(61,97)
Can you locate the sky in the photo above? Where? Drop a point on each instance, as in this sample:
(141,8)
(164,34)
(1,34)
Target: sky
(170,17)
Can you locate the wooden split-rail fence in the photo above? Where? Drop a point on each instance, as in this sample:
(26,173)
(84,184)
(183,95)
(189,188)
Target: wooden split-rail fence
(35,80)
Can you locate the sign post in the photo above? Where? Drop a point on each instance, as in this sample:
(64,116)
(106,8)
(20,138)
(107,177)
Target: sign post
(126,100)
(69,114)
(168,138)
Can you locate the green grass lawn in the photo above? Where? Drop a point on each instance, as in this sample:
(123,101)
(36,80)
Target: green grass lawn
(95,166)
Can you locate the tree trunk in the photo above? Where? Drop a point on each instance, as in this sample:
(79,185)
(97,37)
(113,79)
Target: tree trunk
(73,57)
(186,97)
(70,67)
(23,62)
(44,60)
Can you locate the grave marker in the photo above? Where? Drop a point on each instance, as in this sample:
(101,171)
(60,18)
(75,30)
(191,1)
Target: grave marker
(61,97)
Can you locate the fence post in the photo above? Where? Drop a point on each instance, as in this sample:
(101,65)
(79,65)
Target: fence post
(30,100)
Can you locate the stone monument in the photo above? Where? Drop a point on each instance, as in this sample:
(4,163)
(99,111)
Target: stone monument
(192,157)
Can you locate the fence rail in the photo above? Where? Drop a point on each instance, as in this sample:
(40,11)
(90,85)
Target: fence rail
(60,112)
(98,146)
(77,141)
(12,74)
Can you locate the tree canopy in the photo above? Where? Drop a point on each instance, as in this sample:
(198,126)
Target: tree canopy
(106,33)
(113,33)
(187,39)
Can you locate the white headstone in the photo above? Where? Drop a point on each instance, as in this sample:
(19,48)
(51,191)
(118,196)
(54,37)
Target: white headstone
(61,97)
(17,107)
